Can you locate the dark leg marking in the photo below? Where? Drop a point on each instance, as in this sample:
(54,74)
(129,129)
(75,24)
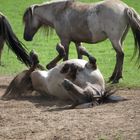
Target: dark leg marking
(92,60)
(71,70)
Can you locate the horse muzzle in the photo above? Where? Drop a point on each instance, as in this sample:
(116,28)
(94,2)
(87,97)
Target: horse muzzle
(27,37)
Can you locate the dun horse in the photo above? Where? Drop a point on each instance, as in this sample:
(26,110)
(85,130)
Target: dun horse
(7,35)
(91,23)
(76,80)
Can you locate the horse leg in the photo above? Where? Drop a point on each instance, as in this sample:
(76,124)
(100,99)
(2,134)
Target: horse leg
(82,51)
(117,73)
(117,41)
(76,93)
(79,96)
(65,43)
(1,47)
(92,59)
(78,46)
(61,53)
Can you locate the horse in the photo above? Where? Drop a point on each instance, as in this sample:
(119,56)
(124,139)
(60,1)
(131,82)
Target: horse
(90,23)
(7,35)
(77,80)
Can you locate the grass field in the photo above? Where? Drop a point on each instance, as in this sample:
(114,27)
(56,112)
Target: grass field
(45,47)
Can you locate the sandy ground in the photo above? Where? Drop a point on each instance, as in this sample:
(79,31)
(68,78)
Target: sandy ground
(37,118)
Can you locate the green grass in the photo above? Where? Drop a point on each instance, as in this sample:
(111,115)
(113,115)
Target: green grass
(45,47)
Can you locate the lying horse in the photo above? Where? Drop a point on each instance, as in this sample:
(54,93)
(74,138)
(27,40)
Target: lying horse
(7,35)
(77,80)
(90,23)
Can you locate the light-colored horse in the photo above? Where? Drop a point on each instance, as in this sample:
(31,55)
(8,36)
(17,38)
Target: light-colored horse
(76,80)
(7,35)
(90,23)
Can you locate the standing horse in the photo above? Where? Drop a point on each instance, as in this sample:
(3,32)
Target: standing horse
(90,23)
(7,35)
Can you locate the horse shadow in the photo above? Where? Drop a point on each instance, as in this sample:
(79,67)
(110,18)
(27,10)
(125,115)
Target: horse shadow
(51,103)
(45,102)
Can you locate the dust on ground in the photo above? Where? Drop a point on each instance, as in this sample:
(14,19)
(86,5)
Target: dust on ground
(34,118)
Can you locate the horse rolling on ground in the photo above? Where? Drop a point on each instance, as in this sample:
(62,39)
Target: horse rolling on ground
(7,35)
(76,80)
(91,23)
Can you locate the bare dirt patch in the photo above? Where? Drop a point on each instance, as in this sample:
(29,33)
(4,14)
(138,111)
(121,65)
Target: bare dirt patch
(34,118)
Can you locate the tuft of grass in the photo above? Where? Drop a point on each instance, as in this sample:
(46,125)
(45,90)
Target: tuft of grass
(45,46)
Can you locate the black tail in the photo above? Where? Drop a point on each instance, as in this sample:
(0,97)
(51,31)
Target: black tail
(13,43)
(134,21)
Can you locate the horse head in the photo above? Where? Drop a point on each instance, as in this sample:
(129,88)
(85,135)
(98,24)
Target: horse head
(32,23)
(43,14)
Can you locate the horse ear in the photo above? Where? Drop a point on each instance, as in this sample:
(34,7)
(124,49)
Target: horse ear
(1,15)
(32,8)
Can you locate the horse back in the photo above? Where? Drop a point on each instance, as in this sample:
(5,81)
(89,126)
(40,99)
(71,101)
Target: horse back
(90,22)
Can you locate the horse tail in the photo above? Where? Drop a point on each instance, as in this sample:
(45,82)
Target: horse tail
(13,43)
(134,22)
(10,89)
(20,85)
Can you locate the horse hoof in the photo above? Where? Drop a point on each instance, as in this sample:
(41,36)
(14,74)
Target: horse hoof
(50,66)
(110,80)
(115,82)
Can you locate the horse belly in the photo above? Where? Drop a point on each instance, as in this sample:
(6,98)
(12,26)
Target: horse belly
(55,79)
(58,91)
(95,28)
(54,83)
(49,82)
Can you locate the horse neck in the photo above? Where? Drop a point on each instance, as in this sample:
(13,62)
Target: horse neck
(45,14)
(48,12)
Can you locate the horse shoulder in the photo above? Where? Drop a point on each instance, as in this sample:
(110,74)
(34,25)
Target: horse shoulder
(92,78)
